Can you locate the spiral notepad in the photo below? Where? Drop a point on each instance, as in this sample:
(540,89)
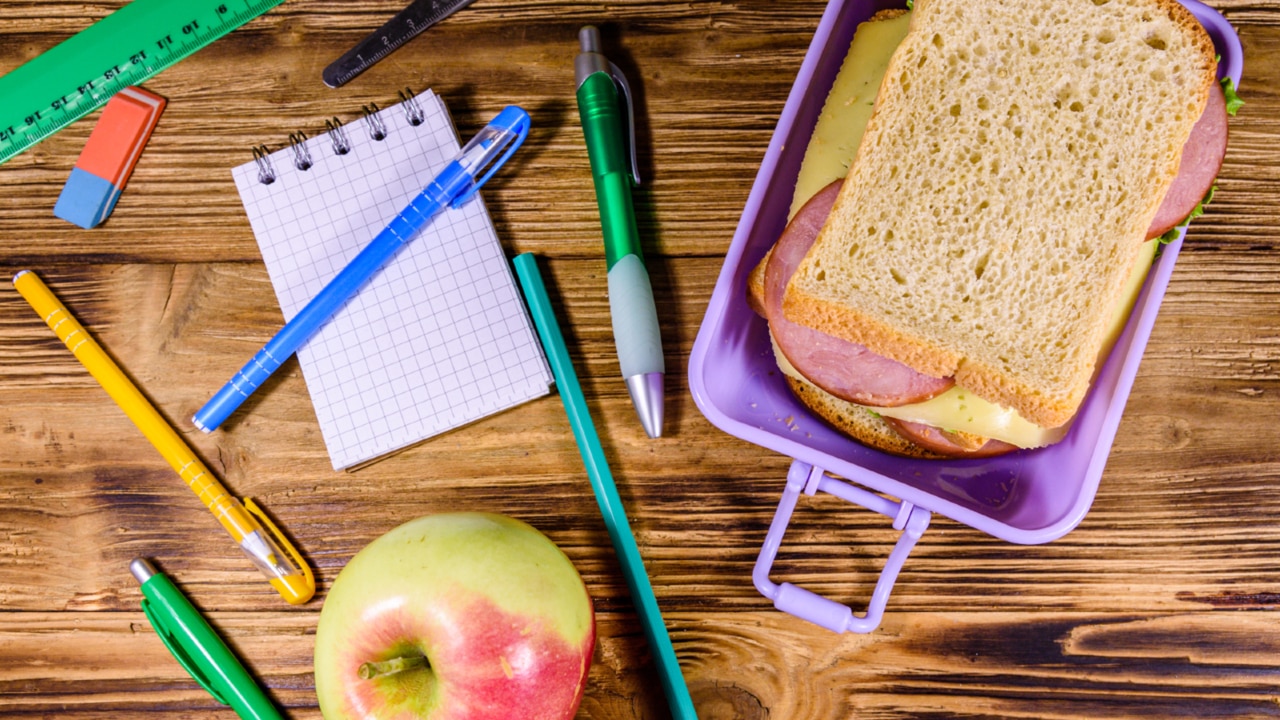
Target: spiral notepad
(439,337)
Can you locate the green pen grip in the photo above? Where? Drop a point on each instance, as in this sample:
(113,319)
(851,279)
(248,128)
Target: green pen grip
(635,319)
(602,126)
(201,652)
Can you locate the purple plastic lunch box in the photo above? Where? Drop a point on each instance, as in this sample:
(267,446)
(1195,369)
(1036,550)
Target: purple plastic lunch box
(1027,497)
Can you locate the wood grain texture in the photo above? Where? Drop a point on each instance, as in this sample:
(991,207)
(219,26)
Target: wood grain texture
(1139,612)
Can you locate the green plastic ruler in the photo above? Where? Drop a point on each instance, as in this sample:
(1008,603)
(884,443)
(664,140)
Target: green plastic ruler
(125,48)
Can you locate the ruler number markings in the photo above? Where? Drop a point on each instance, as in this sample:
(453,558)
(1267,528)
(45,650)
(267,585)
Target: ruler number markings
(185,36)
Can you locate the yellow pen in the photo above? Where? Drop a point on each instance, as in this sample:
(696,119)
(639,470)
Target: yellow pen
(249,526)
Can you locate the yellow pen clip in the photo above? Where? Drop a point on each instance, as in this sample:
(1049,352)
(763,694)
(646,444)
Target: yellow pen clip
(292,588)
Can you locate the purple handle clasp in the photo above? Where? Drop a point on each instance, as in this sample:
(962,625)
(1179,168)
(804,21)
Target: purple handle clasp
(808,605)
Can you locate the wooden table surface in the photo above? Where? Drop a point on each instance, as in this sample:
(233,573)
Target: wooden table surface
(1143,611)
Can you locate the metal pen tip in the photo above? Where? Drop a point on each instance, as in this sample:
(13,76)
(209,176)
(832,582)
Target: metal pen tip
(142,569)
(647,394)
(589,39)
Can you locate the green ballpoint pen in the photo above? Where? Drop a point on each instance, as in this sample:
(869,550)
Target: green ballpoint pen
(197,647)
(635,319)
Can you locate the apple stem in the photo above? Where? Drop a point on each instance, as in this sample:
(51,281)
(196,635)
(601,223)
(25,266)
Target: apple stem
(373,670)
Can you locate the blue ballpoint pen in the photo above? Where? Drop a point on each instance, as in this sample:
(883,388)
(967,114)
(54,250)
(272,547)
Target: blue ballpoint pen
(452,187)
(635,319)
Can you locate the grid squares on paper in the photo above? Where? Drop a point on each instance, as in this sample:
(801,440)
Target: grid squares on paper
(439,337)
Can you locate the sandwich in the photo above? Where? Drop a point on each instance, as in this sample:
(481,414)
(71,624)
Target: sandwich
(984,191)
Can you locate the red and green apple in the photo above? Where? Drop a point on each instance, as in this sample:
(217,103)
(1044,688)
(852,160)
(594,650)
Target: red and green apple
(456,616)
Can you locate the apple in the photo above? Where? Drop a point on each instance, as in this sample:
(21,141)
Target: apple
(455,616)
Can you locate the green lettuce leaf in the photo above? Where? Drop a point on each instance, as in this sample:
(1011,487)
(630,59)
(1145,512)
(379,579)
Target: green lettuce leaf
(1196,212)
(1234,103)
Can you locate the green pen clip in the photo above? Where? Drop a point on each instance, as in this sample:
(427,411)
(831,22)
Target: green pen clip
(198,648)
(586,66)
(180,654)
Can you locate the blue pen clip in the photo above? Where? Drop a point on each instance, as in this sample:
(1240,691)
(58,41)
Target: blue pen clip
(509,128)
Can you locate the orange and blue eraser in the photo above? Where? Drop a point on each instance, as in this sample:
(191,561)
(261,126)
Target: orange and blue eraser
(108,158)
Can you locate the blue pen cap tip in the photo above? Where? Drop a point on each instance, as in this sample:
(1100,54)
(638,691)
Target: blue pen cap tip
(506,131)
(513,118)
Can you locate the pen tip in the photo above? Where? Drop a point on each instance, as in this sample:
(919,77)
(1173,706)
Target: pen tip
(20,274)
(142,569)
(647,394)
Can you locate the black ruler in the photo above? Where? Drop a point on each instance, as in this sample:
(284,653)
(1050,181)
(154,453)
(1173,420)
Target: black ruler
(420,15)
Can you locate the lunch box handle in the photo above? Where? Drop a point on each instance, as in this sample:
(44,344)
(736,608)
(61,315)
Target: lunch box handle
(808,605)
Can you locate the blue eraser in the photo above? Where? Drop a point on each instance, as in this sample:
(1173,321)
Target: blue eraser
(86,199)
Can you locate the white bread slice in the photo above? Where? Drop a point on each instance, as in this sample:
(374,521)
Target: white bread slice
(1016,156)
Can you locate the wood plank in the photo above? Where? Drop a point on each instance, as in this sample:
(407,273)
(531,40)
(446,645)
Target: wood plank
(740,664)
(51,659)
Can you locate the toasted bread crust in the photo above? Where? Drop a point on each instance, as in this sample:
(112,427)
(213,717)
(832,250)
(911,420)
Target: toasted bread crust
(755,286)
(988,383)
(856,421)
(1188,22)
(888,14)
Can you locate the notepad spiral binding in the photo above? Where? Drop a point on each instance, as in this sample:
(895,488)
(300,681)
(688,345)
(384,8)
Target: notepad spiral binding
(337,133)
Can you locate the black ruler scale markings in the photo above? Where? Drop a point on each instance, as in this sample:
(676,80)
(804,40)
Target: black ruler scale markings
(420,15)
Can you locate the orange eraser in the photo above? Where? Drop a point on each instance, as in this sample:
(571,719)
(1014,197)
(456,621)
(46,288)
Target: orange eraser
(121,133)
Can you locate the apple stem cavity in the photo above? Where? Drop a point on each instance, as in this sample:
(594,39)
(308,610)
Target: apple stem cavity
(375,670)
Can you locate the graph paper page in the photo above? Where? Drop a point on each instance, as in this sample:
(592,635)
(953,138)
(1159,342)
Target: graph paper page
(439,337)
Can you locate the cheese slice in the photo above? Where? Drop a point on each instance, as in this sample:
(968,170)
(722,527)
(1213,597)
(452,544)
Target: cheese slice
(831,151)
(844,117)
(959,409)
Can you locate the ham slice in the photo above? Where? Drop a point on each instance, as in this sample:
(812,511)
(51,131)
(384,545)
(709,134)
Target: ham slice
(1202,156)
(947,443)
(846,370)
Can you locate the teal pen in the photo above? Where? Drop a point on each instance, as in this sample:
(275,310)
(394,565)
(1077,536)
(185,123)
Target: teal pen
(609,133)
(197,647)
(615,516)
